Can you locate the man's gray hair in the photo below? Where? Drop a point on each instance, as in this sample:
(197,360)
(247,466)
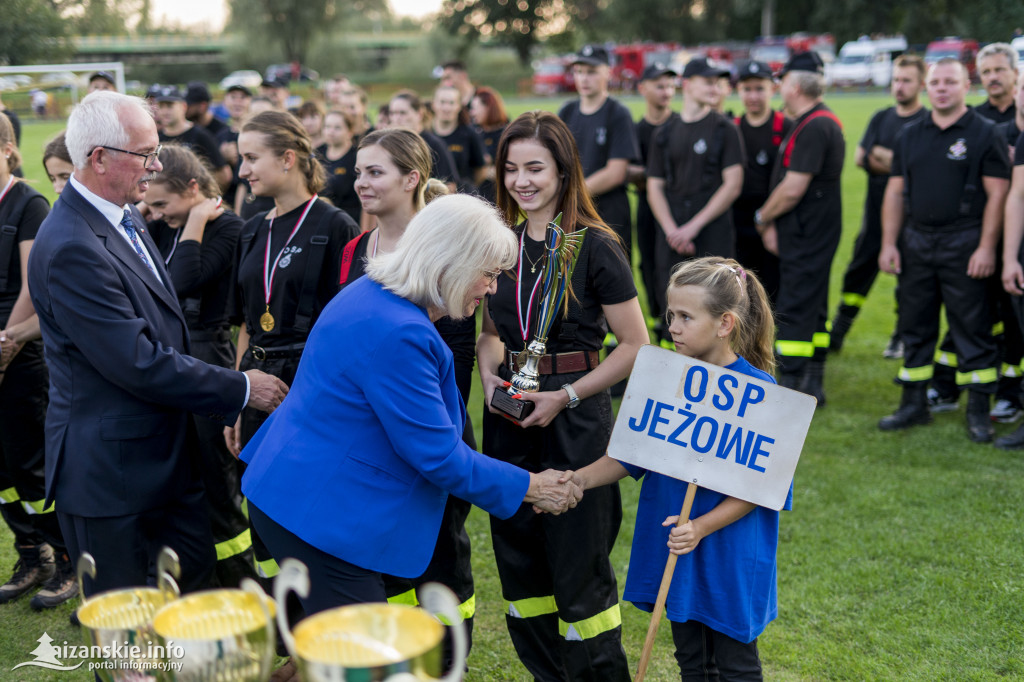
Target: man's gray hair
(993,49)
(97,122)
(811,84)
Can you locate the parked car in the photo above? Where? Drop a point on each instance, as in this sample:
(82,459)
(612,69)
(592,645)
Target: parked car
(963,49)
(552,75)
(246,78)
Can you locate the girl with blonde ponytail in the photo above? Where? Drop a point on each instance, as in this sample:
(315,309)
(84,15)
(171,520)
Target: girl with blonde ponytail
(718,312)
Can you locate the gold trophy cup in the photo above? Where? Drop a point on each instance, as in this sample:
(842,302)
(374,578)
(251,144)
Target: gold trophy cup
(118,619)
(562,251)
(372,642)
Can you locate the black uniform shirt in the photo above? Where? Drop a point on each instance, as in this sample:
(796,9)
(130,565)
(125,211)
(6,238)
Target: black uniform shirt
(32,217)
(882,131)
(687,157)
(608,281)
(443,165)
(199,141)
(216,126)
(291,270)
(606,134)
(203,272)
(490,139)
(937,163)
(1009,131)
(467,150)
(761,144)
(341,181)
(987,110)
(818,149)
(645,131)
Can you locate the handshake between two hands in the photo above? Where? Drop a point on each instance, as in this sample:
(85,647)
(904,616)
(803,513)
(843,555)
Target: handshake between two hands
(554,491)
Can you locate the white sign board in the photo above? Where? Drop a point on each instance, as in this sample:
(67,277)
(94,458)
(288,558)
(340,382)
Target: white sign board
(705,424)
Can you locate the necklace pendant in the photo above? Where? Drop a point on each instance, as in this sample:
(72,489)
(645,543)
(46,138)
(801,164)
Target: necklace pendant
(533,269)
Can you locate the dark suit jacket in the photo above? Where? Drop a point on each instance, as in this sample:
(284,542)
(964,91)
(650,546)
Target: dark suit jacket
(121,382)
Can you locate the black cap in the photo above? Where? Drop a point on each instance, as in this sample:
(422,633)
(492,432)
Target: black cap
(594,55)
(699,66)
(273,83)
(804,61)
(197,92)
(153,91)
(657,70)
(169,93)
(105,75)
(754,69)
(240,88)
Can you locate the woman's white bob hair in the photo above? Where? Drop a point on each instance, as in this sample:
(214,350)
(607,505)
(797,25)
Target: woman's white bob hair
(446,249)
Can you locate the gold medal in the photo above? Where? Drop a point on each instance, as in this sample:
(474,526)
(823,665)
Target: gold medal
(267,321)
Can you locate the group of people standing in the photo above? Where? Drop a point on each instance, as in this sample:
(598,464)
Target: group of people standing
(356,315)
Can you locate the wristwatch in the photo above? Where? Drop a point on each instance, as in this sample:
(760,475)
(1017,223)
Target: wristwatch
(574,399)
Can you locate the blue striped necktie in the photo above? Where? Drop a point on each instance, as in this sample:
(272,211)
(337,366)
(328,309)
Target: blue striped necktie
(129,227)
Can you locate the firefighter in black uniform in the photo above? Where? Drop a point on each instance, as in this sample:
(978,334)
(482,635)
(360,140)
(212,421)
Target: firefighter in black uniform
(761,129)
(998,70)
(603,129)
(802,221)
(874,155)
(694,174)
(941,220)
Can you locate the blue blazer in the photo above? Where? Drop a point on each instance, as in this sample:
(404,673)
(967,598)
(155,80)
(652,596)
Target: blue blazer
(121,382)
(359,459)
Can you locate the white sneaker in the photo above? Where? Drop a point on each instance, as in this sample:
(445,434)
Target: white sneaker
(1005,411)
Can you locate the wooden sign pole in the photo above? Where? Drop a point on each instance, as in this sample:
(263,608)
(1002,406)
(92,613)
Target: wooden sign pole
(666,582)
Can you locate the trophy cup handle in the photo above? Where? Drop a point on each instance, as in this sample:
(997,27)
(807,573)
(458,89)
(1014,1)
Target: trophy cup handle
(253,588)
(294,577)
(440,601)
(86,565)
(168,568)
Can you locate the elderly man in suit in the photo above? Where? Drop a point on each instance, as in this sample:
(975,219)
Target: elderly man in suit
(119,441)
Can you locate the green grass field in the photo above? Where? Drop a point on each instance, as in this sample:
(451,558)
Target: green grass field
(901,560)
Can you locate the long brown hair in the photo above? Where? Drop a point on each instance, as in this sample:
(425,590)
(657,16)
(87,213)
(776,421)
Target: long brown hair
(728,288)
(574,202)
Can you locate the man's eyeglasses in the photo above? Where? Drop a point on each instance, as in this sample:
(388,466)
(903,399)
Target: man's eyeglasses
(150,158)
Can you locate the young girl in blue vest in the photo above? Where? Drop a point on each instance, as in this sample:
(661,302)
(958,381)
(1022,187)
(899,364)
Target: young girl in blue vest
(723,592)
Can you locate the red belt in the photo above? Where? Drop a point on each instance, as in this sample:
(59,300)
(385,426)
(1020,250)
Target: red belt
(560,363)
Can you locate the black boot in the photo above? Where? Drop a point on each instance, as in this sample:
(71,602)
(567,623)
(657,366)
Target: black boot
(1012,441)
(35,567)
(841,324)
(814,381)
(979,424)
(913,409)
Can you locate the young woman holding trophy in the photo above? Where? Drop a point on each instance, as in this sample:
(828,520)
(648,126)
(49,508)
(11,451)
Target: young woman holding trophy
(563,613)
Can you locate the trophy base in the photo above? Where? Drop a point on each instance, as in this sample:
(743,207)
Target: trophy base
(513,408)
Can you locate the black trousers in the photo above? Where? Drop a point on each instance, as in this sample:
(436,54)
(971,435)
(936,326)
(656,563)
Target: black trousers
(934,273)
(23,402)
(705,655)
(808,239)
(647,233)
(220,472)
(863,267)
(126,547)
(563,608)
(284,369)
(332,581)
(752,255)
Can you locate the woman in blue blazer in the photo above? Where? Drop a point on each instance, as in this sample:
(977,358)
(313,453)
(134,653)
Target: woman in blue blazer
(351,474)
